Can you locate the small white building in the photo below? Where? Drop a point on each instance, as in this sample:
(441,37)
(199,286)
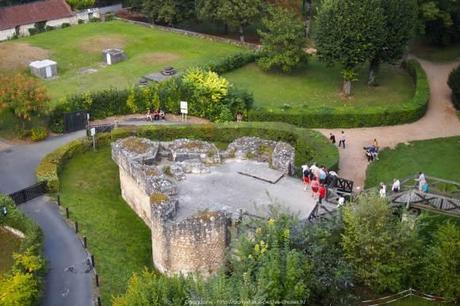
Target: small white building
(45,69)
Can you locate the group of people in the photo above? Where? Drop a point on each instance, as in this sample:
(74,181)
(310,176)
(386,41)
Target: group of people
(422,183)
(372,151)
(156,115)
(319,179)
(341,140)
(396,187)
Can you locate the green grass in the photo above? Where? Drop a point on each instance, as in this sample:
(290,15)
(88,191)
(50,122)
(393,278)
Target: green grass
(437,54)
(436,157)
(318,85)
(67,48)
(10,243)
(119,240)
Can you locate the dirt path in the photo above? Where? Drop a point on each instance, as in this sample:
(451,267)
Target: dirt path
(440,120)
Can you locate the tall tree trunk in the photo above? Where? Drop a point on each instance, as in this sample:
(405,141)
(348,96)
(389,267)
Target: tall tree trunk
(241,33)
(225,28)
(374,66)
(308,12)
(346,87)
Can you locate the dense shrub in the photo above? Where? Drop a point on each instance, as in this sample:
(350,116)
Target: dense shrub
(232,62)
(38,133)
(351,116)
(95,19)
(49,28)
(454,84)
(33,31)
(205,100)
(65,25)
(23,283)
(310,146)
(80,21)
(109,17)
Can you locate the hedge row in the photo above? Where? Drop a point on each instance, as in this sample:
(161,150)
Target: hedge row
(27,285)
(310,145)
(454,84)
(350,116)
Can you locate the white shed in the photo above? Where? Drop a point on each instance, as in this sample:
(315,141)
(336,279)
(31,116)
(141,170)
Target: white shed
(44,69)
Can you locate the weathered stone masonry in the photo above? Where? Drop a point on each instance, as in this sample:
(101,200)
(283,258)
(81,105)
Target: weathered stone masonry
(189,244)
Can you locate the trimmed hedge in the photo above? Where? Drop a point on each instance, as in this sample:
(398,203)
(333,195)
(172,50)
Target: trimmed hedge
(350,116)
(31,245)
(310,145)
(454,84)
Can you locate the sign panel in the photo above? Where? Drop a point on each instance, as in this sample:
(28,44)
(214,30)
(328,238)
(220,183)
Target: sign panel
(183,107)
(93,131)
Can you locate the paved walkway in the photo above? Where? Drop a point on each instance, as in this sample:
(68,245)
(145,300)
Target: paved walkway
(440,120)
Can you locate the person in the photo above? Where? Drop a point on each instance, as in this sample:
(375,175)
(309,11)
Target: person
(322,175)
(331,179)
(315,171)
(376,144)
(156,115)
(321,193)
(382,190)
(239,117)
(425,187)
(162,115)
(149,115)
(314,187)
(306,176)
(332,138)
(396,185)
(421,180)
(342,139)
(340,201)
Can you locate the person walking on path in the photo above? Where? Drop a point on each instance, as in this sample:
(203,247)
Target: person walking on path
(421,180)
(396,185)
(342,139)
(321,193)
(383,190)
(332,138)
(306,176)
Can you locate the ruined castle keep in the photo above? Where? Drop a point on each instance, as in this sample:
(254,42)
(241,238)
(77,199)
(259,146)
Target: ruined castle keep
(170,186)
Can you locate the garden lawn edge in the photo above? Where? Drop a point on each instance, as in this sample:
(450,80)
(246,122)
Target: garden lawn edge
(310,146)
(350,116)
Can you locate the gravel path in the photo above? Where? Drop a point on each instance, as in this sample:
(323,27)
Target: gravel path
(440,120)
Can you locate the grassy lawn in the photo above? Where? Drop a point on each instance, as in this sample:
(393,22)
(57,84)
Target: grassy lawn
(119,240)
(148,50)
(436,157)
(318,85)
(9,244)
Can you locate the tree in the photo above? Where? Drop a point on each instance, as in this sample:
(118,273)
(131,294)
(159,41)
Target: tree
(349,33)
(168,11)
(440,21)
(380,247)
(240,13)
(400,17)
(80,4)
(441,272)
(454,84)
(23,95)
(282,40)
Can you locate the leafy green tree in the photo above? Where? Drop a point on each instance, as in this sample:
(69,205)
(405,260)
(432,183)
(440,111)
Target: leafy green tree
(283,40)
(23,95)
(381,248)
(348,33)
(400,18)
(240,13)
(80,4)
(454,84)
(440,21)
(161,11)
(441,272)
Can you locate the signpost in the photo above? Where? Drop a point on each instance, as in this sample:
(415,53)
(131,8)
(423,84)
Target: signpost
(93,135)
(184,110)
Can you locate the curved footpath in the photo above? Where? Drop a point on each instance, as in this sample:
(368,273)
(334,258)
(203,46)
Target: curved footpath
(440,120)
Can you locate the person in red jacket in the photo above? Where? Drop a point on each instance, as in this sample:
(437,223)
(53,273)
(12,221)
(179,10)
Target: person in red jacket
(314,187)
(322,193)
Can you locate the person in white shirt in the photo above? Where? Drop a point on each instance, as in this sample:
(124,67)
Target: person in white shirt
(383,190)
(396,185)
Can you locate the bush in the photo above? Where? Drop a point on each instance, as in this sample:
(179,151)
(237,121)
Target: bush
(454,84)
(80,21)
(49,28)
(109,17)
(33,31)
(232,62)
(39,133)
(310,146)
(351,116)
(95,19)
(65,25)
(23,284)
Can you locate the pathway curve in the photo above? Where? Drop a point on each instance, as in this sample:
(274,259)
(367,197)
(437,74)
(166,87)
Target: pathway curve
(440,120)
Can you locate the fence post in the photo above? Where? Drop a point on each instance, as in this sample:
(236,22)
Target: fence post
(76,227)
(85,242)
(97,280)
(67,213)
(99,303)
(58,200)
(92,261)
